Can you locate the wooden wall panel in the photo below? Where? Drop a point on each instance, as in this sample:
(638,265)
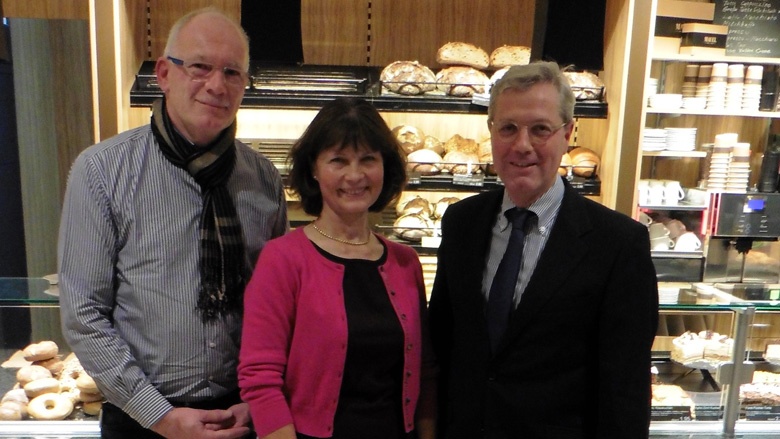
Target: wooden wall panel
(134,46)
(410,29)
(163,13)
(335,32)
(55,9)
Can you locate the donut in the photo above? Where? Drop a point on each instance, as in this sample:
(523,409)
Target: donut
(26,374)
(10,411)
(92,408)
(86,384)
(50,407)
(40,351)
(54,364)
(16,395)
(72,368)
(41,386)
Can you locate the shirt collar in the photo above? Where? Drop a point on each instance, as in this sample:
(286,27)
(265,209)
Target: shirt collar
(546,208)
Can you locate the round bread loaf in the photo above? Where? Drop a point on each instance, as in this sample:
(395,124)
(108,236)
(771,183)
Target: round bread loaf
(441,206)
(466,54)
(412,227)
(54,364)
(424,162)
(41,386)
(506,56)
(462,144)
(433,144)
(458,162)
(584,161)
(461,81)
(11,411)
(585,85)
(563,170)
(92,408)
(16,395)
(40,351)
(410,138)
(85,383)
(407,78)
(30,373)
(417,206)
(485,154)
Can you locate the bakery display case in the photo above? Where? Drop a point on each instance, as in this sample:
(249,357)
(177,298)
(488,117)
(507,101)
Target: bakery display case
(38,373)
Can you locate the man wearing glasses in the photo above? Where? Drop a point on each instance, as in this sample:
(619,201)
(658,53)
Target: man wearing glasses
(545,305)
(161,227)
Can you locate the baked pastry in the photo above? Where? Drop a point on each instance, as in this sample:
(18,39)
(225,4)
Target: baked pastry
(41,386)
(706,348)
(586,86)
(441,206)
(50,407)
(670,395)
(417,206)
(462,144)
(424,162)
(464,54)
(411,138)
(30,373)
(11,411)
(505,56)
(434,144)
(584,161)
(461,81)
(40,351)
(485,154)
(407,78)
(563,170)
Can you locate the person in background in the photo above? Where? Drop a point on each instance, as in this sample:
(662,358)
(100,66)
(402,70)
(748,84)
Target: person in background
(559,347)
(334,342)
(160,229)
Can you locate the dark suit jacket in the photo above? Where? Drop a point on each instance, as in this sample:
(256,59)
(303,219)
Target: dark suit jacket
(575,360)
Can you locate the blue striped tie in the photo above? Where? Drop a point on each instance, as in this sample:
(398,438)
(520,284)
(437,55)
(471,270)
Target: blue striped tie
(502,291)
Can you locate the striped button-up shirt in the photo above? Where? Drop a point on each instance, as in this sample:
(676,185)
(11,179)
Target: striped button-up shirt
(129,272)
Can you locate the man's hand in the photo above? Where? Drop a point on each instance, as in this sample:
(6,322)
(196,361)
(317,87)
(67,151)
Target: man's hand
(189,423)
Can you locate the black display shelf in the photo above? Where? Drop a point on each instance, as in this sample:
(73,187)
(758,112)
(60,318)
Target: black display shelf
(309,87)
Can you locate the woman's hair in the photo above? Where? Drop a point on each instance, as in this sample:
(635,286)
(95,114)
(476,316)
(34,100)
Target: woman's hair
(523,77)
(345,123)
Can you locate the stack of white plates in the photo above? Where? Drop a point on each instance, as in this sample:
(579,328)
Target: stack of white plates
(668,294)
(653,139)
(666,101)
(681,139)
(694,103)
(718,171)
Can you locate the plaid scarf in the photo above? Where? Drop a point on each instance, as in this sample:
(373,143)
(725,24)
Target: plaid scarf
(222,270)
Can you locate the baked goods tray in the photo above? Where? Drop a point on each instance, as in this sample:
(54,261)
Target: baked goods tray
(311,79)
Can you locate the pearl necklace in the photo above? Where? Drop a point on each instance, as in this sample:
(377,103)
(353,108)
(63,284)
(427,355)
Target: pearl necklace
(343,241)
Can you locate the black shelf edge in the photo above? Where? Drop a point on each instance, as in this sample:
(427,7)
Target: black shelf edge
(143,94)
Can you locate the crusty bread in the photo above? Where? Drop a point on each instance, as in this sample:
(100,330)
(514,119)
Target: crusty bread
(410,138)
(584,161)
(461,81)
(506,56)
(459,162)
(462,144)
(585,85)
(434,144)
(412,227)
(462,54)
(563,170)
(407,78)
(424,162)
(485,154)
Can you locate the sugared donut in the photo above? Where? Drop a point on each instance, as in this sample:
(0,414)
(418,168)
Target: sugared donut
(40,351)
(53,365)
(86,384)
(11,411)
(16,395)
(30,373)
(50,407)
(72,368)
(92,408)
(39,387)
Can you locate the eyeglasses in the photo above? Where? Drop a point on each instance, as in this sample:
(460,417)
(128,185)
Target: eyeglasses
(201,72)
(538,133)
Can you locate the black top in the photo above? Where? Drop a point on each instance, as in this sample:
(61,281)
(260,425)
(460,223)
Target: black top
(370,398)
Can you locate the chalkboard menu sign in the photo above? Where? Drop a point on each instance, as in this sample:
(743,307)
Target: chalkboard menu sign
(754,26)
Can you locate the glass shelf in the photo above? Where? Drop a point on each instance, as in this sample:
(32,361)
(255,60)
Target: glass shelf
(24,290)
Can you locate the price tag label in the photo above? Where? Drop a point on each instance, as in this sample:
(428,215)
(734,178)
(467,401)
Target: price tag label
(709,412)
(414,178)
(468,180)
(762,413)
(670,413)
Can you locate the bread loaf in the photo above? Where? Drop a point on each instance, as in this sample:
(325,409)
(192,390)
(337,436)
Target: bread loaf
(434,145)
(410,138)
(585,85)
(505,56)
(584,161)
(424,161)
(563,170)
(417,206)
(464,54)
(412,227)
(485,154)
(460,143)
(461,81)
(407,78)
(458,162)
(440,206)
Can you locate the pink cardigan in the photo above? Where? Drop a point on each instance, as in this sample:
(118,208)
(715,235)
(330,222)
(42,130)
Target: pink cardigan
(294,338)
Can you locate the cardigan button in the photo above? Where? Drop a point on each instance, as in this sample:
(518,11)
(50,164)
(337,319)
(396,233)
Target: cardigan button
(409,347)
(407,401)
(403,316)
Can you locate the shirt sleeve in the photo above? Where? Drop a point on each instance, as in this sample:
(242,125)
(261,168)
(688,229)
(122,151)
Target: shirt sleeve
(87,252)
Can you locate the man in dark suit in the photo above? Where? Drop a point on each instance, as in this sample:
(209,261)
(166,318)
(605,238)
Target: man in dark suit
(570,355)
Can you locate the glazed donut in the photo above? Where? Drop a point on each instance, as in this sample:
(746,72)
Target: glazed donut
(39,387)
(16,395)
(40,351)
(86,384)
(50,407)
(92,408)
(10,411)
(27,374)
(54,364)
(89,397)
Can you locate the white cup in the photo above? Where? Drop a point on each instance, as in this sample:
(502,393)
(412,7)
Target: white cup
(676,228)
(662,243)
(658,230)
(673,192)
(645,219)
(643,192)
(657,190)
(687,242)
